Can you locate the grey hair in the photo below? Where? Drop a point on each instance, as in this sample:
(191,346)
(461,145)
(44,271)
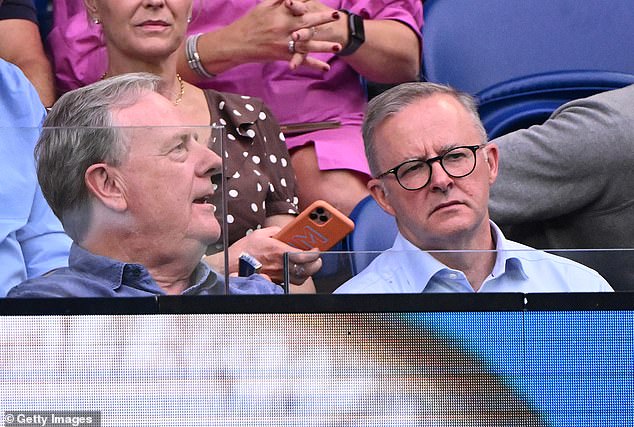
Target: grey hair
(78,132)
(398,98)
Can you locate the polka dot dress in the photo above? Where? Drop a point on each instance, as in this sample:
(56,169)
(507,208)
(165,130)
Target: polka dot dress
(260,179)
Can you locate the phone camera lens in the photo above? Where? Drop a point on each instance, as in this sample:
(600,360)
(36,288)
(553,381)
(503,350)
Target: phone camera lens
(320,211)
(313,216)
(323,218)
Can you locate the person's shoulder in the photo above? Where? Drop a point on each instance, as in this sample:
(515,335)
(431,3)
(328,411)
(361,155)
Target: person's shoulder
(562,273)
(18,98)
(379,277)
(243,104)
(65,282)
(49,285)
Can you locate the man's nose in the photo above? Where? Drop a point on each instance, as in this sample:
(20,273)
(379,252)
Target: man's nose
(439,180)
(210,163)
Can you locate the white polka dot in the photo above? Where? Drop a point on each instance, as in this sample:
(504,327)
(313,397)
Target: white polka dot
(273,158)
(254,207)
(233,193)
(245,154)
(262,115)
(231,137)
(282,137)
(271,187)
(249,107)
(237,113)
(283,162)
(264,205)
(257,172)
(223,122)
(283,182)
(249,231)
(264,138)
(256,160)
(251,133)
(259,226)
(291,211)
(245,97)
(236,175)
(230,219)
(221,105)
(215,187)
(295,201)
(226,155)
(258,187)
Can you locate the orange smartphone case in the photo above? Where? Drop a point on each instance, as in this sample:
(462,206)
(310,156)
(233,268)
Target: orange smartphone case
(319,226)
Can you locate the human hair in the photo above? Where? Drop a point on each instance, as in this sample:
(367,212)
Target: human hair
(393,100)
(78,132)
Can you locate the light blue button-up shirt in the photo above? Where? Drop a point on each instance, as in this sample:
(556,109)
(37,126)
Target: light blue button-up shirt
(32,240)
(406,269)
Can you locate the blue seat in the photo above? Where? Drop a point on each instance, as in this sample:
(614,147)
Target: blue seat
(523,59)
(525,101)
(374,230)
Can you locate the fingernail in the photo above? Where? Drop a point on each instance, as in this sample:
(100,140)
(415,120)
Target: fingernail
(335,14)
(336,48)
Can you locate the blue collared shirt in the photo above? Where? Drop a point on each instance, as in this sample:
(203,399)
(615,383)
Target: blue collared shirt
(406,269)
(90,275)
(32,240)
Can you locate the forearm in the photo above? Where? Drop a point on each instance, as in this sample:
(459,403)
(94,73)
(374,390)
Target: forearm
(25,50)
(219,50)
(390,54)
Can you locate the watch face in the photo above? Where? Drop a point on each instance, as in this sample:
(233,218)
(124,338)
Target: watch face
(356,34)
(357,30)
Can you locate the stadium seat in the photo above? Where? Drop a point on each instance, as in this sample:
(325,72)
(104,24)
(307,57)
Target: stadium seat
(525,101)
(374,230)
(522,60)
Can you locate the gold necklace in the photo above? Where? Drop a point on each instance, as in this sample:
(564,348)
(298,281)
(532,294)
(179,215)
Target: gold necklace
(178,99)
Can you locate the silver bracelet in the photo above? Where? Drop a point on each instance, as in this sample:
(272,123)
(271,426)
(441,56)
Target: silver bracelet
(193,58)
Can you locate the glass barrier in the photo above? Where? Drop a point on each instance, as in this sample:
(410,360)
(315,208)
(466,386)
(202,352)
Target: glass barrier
(142,195)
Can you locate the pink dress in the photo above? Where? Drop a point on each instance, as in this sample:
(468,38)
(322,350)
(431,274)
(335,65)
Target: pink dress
(306,95)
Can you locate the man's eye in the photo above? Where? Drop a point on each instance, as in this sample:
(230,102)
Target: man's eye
(180,147)
(449,157)
(411,168)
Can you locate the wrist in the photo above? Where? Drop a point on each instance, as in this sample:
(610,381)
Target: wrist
(355,33)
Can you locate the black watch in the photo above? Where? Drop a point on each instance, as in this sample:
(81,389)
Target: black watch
(356,34)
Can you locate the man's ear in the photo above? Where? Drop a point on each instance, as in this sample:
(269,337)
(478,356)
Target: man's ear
(377,189)
(105,185)
(492,158)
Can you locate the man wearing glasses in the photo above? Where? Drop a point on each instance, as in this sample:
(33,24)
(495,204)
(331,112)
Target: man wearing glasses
(432,169)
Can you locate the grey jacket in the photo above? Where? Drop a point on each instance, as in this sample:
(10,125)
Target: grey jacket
(569,183)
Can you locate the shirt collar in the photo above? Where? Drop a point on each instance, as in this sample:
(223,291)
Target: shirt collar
(506,261)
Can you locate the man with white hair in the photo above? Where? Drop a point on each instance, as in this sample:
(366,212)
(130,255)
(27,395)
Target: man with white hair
(133,194)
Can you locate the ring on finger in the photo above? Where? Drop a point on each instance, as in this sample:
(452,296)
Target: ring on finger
(291,46)
(299,270)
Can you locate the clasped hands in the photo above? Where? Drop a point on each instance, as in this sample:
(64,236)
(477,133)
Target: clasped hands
(312,27)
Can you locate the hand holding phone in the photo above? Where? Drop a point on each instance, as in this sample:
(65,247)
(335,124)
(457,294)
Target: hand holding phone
(319,226)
